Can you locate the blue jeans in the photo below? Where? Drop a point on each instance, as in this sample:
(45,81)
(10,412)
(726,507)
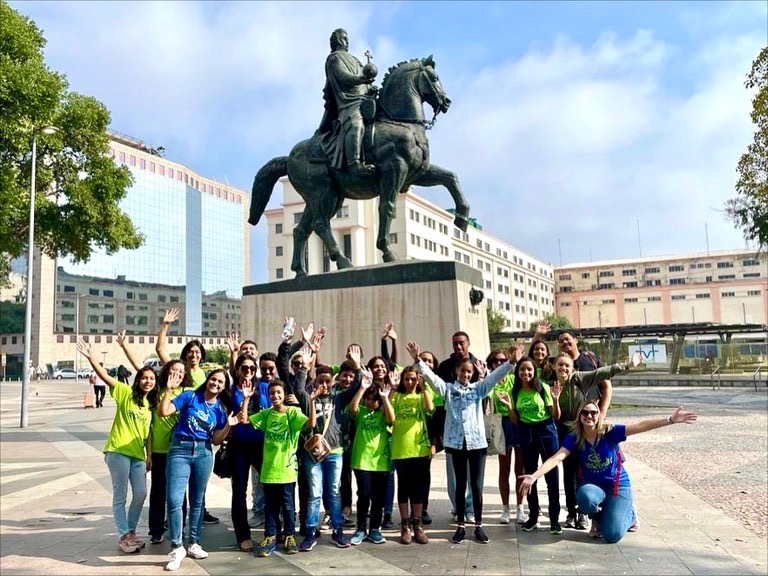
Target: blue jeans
(614,513)
(124,470)
(450,474)
(324,480)
(189,462)
(540,440)
(279,498)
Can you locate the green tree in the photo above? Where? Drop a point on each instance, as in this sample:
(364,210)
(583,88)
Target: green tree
(749,209)
(11,318)
(555,322)
(78,186)
(496,320)
(217,355)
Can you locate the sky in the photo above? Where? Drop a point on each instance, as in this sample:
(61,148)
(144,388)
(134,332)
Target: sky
(579,130)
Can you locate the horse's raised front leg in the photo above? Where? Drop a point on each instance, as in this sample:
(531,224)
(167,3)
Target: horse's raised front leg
(391,181)
(300,234)
(437,176)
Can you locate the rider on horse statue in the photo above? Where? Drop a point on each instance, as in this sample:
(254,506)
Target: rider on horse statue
(347,88)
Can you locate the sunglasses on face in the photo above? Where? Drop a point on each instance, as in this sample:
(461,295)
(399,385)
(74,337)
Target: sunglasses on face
(592,413)
(498,360)
(245,368)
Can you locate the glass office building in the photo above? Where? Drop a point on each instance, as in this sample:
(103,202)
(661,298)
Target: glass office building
(194,256)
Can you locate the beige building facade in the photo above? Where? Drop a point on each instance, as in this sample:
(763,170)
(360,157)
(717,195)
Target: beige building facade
(724,287)
(515,283)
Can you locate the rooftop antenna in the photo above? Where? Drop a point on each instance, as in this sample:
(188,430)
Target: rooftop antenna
(706,236)
(639,244)
(560,251)
(590,254)
(225,180)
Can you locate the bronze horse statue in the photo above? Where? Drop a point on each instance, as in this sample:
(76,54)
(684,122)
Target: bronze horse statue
(399,150)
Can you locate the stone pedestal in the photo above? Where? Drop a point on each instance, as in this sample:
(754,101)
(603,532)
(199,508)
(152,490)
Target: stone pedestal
(426,301)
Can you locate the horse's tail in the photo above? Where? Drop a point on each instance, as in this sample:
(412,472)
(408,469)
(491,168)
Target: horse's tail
(263,184)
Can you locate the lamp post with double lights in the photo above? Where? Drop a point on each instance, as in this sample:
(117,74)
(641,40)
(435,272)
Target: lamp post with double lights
(30,252)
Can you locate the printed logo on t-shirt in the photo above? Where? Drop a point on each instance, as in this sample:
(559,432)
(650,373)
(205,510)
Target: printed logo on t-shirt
(276,431)
(595,464)
(199,421)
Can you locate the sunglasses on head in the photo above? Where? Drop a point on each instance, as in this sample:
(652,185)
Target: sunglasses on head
(592,413)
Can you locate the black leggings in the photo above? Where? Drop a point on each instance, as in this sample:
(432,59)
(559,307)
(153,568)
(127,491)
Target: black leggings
(99,392)
(411,473)
(476,460)
(370,494)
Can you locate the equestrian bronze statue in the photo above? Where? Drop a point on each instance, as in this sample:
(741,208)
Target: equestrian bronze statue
(371,142)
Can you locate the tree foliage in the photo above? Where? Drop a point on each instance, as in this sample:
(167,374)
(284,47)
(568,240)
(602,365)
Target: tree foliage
(77,186)
(496,320)
(217,355)
(749,209)
(11,318)
(555,322)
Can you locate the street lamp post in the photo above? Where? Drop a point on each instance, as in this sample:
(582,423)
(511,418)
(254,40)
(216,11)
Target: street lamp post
(77,334)
(30,251)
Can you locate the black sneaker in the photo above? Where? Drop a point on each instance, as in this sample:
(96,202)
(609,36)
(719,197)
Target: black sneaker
(387,523)
(480,535)
(570,522)
(426,519)
(459,535)
(154,539)
(555,529)
(209,518)
(581,522)
(531,525)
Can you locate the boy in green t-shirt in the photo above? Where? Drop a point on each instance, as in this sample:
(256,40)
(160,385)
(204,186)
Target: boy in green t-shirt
(281,425)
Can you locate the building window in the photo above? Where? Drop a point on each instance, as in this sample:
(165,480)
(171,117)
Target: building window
(628,272)
(161,297)
(751,262)
(393,237)
(486,247)
(278,250)
(343,212)
(751,274)
(703,296)
(725,264)
(629,300)
(93,291)
(143,297)
(466,258)
(727,277)
(678,297)
(653,270)
(585,275)
(632,284)
(297,217)
(564,277)
(488,284)
(279,273)
(347,243)
(605,273)
(457,256)
(279,228)
(108,293)
(565,304)
(457,233)
(174,298)
(479,243)
(676,268)
(753,292)
(609,301)
(677,280)
(608,286)
(654,298)
(728,294)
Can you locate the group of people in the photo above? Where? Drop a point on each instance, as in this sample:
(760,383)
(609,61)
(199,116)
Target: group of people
(290,420)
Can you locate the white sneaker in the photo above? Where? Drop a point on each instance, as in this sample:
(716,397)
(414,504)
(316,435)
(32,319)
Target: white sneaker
(504,515)
(470,518)
(176,556)
(521,517)
(196,551)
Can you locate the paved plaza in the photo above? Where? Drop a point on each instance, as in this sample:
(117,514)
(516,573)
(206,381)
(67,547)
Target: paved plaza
(700,492)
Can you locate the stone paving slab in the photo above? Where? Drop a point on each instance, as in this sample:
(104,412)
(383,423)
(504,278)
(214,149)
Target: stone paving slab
(55,518)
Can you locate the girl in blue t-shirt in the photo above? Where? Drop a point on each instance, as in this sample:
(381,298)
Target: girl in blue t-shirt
(203,421)
(604,490)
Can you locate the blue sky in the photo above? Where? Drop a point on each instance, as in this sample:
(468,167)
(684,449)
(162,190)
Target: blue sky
(570,120)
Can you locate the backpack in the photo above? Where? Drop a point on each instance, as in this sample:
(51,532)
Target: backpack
(592,358)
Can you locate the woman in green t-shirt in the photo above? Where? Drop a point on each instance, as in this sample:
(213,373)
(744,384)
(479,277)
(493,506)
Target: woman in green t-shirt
(411,449)
(371,458)
(532,407)
(126,452)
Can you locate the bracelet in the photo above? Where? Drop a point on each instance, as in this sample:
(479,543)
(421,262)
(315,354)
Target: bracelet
(669,420)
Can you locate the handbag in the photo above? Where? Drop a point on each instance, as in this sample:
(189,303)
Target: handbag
(494,431)
(222,461)
(316,445)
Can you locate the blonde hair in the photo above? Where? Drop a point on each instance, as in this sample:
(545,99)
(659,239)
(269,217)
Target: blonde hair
(578,428)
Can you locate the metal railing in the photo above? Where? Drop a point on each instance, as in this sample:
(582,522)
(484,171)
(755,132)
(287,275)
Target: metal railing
(716,372)
(756,376)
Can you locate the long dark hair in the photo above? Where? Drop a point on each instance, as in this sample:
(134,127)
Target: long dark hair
(401,385)
(137,394)
(188,346)
(518,385)
(225,396)
(239,362)
(165,372)
(547,370)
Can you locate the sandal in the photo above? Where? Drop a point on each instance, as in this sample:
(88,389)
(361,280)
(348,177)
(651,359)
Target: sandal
(246,546)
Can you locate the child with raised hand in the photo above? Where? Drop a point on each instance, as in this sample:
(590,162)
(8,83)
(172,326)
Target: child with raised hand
(411,450)
(465,429)
(282,426)
(127,452)
(371,458)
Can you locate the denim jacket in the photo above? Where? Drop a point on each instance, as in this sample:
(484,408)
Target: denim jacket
(464,406)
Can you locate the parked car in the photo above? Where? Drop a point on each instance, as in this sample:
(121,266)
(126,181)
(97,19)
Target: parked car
(154,363)
(84,373)
(59,373)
